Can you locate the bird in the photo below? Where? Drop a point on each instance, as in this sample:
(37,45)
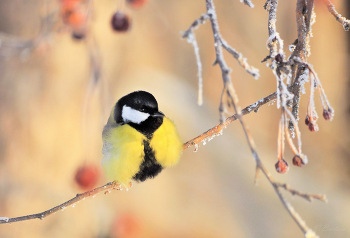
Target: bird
(139,141)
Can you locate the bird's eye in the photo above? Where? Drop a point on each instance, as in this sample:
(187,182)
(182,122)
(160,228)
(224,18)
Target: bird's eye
(142,110)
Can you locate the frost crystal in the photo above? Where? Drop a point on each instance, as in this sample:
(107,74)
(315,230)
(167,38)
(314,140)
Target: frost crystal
(303,78)
(6,219)
(195,148)
(291,48)
(271,102)
(293,134)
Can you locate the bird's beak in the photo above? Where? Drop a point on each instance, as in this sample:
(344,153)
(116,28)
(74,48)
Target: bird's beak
(158,114)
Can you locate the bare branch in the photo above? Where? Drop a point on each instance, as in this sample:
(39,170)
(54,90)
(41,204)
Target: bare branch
(345,22)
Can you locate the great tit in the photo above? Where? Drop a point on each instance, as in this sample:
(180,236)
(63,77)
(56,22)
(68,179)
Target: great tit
(138,140)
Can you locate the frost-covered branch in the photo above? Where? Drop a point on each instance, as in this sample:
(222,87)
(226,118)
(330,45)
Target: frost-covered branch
(248,3)
(345,22)
(231,94)
(241,60)
(195,25)
(189,34)
(274,38)
(72,202)
(217,130)
(191,38)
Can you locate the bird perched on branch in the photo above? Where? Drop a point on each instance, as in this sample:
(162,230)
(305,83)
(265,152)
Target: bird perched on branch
(138,140)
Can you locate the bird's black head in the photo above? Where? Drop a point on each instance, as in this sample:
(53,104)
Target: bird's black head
(139,109)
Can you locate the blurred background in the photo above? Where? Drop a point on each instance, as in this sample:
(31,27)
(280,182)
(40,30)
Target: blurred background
(56,92)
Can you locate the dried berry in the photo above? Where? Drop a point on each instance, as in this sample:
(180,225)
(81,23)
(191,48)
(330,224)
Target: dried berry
(279,58)
(328,114)
(282,166)
(78,35)
(87,176)
(313,126)
(307,120)
(120,22)
(298,161)
(136,3)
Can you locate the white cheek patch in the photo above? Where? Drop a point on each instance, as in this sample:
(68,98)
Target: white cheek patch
(132,115)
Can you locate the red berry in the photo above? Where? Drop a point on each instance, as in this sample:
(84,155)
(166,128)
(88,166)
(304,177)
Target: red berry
(126,225)
(120,22)
(282,166)
(136,3)
(87,176)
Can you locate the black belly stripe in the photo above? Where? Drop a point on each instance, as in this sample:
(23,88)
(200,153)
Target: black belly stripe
(149,167)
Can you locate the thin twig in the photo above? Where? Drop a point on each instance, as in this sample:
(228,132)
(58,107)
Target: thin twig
(345,22)
(248,3)
(201,20)
(307,196)
(241,60)
(191,38)
(107,188)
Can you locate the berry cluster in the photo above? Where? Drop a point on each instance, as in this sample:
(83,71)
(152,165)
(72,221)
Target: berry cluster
(74,15)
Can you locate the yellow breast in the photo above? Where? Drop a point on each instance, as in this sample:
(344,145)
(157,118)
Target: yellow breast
(166,144)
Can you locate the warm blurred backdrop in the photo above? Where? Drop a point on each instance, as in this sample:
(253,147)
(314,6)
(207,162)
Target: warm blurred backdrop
(51,118)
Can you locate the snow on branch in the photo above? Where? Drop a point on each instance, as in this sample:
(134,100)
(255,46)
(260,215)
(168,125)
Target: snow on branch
(248,3)
(331,8)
